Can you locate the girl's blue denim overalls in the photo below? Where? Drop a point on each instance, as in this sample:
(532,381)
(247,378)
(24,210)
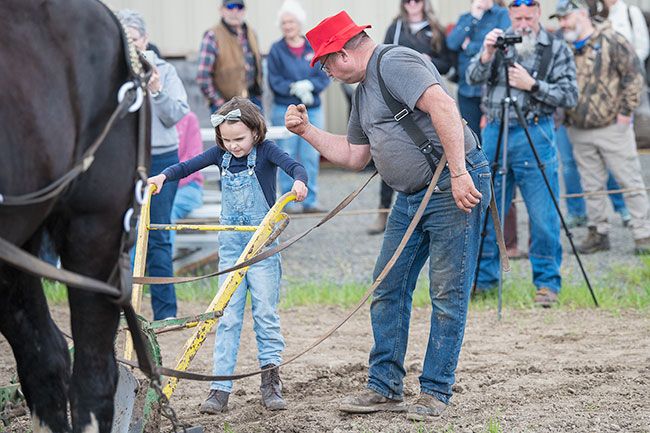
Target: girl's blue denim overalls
(243,203)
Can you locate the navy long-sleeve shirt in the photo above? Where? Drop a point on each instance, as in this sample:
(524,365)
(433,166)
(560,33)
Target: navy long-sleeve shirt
(269,157)
(476,30)
(285,68)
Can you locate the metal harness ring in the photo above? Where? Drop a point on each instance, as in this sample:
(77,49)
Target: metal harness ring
(139,95)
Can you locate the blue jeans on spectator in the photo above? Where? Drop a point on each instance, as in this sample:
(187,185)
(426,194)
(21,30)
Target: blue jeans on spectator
(576,206)
(301,151)
(470,109)
(545,249)
(449,238)
(188,197)
(159,250)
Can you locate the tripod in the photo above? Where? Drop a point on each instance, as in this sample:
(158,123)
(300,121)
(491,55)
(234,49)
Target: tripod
(502,141)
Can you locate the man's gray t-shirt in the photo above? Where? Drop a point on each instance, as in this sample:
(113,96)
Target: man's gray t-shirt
(407,75)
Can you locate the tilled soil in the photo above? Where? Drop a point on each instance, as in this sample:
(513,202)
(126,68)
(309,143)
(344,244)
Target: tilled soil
(533,371)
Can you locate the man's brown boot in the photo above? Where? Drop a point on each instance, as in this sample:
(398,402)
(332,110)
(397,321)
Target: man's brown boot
(380,225)
(369,401)
(425,408)
(595,242)
(271,389)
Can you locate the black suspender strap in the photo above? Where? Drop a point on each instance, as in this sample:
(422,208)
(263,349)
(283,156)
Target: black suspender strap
(403,115)
(545,62)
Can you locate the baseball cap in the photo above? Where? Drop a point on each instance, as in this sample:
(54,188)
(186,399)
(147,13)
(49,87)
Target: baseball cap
(565,7)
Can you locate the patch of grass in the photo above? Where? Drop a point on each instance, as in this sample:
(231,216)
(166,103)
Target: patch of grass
(623,287)
(227,428)
(198,291)
(55,292)
(493,425)
(302,293)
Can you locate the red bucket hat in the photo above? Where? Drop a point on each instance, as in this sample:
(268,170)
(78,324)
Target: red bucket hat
(331,34)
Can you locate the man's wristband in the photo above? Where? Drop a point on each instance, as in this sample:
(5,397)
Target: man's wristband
(459,174)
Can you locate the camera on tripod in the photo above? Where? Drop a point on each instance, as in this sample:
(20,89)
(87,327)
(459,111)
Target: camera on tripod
(507,40)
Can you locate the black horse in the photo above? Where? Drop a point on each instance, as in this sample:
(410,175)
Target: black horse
(61,65)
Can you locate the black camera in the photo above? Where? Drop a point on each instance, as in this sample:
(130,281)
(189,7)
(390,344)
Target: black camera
(508,40)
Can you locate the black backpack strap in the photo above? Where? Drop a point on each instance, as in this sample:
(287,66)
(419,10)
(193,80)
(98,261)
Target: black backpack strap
(403,115)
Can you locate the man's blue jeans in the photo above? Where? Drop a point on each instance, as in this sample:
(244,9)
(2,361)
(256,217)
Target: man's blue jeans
(301,151)
(159,250)
(545,249)
(449,238)
(576,206)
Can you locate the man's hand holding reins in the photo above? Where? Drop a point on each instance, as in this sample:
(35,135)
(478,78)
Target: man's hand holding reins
(465,193)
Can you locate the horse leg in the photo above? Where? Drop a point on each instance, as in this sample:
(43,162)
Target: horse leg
(94,376)
(91,249)
(41,353)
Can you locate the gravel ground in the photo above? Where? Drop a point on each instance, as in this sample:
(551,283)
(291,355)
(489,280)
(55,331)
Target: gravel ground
(341,251)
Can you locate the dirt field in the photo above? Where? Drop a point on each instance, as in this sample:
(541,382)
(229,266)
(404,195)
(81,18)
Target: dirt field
(535,371)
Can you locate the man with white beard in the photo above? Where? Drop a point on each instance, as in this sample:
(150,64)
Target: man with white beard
(542,76)
(600,126)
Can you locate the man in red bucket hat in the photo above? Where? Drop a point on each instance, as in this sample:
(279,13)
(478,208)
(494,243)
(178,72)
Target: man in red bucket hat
(406,140)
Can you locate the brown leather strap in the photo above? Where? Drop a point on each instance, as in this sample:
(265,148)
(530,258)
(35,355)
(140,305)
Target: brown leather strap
(20,259)
(503,252)
(389,265)
(263,255)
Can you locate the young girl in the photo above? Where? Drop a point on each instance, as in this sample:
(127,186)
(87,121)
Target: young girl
(248,180)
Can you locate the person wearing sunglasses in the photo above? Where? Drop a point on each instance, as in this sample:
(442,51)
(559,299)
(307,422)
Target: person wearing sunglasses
(542,76)
(600,126)
(230,63)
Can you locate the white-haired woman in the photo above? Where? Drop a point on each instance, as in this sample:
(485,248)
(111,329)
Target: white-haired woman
(293,81)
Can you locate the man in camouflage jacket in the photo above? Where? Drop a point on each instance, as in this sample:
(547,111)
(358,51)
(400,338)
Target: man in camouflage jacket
(610,82)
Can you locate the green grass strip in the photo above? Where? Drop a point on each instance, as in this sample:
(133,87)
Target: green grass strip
(621,287)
